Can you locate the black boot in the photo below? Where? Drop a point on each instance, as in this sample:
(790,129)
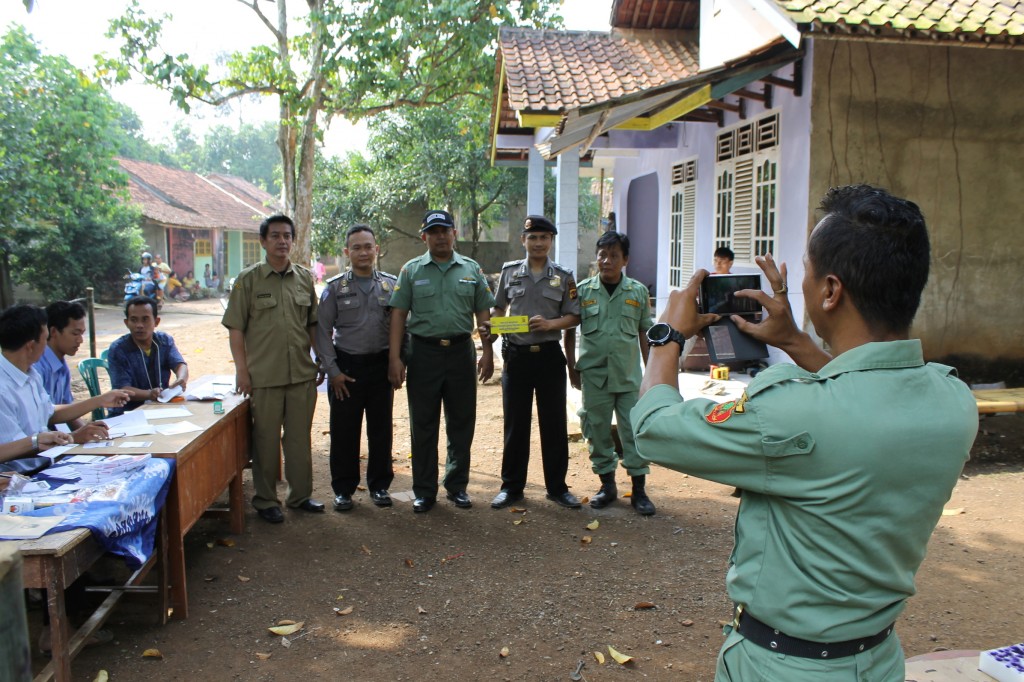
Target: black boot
(607,494)
(639,499)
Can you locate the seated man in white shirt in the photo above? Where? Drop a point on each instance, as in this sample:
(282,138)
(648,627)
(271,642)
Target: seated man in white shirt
(26,411)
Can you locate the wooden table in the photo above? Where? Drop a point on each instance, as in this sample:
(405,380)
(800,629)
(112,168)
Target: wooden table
(995,400)
(946,666)
(207,462)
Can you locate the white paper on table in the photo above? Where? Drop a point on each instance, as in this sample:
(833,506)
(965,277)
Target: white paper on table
(177,427)
(211,387)
(98,444)
(63,428)
(133,418)
(18,527)
(55,452)
(168,413)
(81,459)
(133,430)
(136,444)
(34,487)
(169,394)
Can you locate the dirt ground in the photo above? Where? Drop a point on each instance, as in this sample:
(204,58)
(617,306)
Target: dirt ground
(441,595)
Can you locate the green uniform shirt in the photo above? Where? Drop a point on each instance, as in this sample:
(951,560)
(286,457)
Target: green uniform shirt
(275,312)
(441,297)
(610,326)
(551,295)
(844,471)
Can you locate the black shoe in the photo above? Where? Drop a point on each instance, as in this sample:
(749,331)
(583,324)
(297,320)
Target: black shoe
(271,514)
(342,502)
(423,504)
(504,499)
(311,506)
(607,494)
(641,503)
(566,499)
(381,498)
(461,499)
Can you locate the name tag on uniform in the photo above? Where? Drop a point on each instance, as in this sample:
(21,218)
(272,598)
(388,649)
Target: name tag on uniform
(421,282)
(512,324)
(635,304)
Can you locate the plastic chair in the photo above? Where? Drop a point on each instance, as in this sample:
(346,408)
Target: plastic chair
(103,355)
(89,368)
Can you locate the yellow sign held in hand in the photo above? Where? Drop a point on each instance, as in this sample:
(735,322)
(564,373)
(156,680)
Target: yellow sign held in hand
(513,324)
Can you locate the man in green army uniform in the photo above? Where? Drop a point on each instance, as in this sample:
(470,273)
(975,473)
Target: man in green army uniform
(615,313)
(440,292)
(271,319)
(845,460)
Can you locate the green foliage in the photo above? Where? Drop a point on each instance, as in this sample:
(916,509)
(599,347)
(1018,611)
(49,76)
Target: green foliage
(249,152)
(59,132)
(133,145)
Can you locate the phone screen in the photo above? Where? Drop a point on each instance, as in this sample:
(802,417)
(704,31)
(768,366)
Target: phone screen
(717,294)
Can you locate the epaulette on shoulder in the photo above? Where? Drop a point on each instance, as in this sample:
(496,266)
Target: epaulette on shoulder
(331,279)
(778,374)
(388,275)
(513,263)
(564,269)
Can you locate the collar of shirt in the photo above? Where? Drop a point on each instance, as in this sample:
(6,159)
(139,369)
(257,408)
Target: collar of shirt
(266,269)
(50,361)
(876,355)
(456,258)
(14,373)
(524,269)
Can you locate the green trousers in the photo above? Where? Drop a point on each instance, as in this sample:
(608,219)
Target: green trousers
(596,422)
(740,660)
(282,416)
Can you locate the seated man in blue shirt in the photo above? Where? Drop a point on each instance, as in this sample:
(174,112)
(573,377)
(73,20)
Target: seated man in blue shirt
(141,362)
(26,411)
(66,323)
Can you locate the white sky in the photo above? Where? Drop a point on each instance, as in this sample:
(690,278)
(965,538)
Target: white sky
(204,29)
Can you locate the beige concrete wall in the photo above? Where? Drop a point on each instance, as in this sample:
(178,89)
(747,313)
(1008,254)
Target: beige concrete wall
(944,127)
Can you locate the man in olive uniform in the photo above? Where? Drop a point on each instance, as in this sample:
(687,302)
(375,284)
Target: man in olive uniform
(545,292)
(615,314)
(440,292)
(271,321)
(352,344)
(845,461)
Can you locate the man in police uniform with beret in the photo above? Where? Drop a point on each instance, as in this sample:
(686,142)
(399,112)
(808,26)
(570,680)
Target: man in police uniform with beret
(845,460)
(615,313)
(271,321)
(544,292)
(440,292)
(352,343)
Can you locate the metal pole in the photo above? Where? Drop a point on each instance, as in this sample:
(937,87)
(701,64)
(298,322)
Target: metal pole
(90,300)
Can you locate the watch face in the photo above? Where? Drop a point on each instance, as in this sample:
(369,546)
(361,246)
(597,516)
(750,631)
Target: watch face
(659,333)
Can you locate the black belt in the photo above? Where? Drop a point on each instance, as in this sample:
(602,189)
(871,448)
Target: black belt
(769,638)
(532,348)
(363,358)
(450,341)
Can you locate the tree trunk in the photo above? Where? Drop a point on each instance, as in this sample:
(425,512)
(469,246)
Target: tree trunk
(6,285)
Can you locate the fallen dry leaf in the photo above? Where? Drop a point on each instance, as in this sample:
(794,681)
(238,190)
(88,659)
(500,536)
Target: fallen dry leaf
(628,494)
(286,622)
(594,525)
(345,611)
(645,605)
(152,653)
(620,658)
(600,657)
(101,676)
(262,656)
(286,629)
(585,500)
(243,579)
(409,563)
(420,610)
(516,510)
(225,542)
(687,623)
(953,512)
(586,540)
(365,550)
(210,578)
(504,652)
(518,522)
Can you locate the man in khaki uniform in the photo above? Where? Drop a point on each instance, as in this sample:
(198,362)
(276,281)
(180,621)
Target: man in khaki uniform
(271,320)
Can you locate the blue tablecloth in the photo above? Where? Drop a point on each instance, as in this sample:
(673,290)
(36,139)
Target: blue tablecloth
(125,525)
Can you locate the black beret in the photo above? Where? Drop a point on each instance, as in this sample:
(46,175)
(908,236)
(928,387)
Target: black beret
(538,223)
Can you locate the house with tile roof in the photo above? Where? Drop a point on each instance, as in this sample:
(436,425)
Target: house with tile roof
(723,122)
(196,220)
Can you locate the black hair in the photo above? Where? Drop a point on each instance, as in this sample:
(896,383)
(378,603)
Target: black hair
(359,227)
(725,252)
(140,300)
(20,324)
(877,245)
(611,238)
(60,313)
(276,218)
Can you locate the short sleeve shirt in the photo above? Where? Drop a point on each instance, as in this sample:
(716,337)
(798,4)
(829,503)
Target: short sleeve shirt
(56,377)
(353,320)
(441,297)
(610,326)
(551,295)
(844,474)
(274,311)
(25,407)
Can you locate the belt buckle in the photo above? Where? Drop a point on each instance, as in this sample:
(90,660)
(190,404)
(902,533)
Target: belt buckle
(534,349)
(446,342)
(735,624)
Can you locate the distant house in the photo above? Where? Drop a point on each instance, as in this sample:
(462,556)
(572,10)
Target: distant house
(194,220)
(723,122)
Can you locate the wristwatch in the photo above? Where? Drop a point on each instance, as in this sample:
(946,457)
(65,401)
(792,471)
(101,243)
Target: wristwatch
(661,333)
(35,441)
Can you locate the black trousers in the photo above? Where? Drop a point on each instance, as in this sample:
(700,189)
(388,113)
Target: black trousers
(525,373)
(370,393)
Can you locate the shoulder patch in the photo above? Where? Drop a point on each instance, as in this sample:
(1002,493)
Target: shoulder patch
(720,413)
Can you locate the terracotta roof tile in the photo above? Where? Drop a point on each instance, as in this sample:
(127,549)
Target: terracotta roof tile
(553,70)
(181,198)
(1004,18)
